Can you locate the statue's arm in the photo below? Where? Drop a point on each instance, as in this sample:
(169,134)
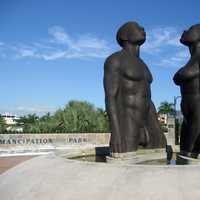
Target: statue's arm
(111,87)
(186,73)
(155,136)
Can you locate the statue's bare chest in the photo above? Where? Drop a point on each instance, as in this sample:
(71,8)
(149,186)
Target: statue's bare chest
(135,70)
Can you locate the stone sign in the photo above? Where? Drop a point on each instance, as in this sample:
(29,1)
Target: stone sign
(47,142)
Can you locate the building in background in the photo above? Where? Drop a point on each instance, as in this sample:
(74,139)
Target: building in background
(162,118)
(10,119)
(11,122)
(171,124)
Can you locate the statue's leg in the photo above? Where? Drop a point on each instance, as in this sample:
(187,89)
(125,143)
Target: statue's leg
(194,132)
(183,137)
(156,137)
(115,144)
(144,136)
(196,147)
(131,130)
(184,142)
(190,138)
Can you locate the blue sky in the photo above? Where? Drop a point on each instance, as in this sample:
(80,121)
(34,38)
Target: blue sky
(53,51)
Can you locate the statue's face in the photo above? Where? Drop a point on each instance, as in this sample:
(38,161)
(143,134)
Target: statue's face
(136,34)
(191,36)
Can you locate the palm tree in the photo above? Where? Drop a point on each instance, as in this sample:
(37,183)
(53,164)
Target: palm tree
(166,107)
(29,123)
(29,119)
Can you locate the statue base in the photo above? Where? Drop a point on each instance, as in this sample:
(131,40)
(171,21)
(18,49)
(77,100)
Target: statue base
(136,157)
(121,157)
(185,160)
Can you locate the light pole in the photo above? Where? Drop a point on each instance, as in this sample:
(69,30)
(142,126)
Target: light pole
(175,116)
(175,102)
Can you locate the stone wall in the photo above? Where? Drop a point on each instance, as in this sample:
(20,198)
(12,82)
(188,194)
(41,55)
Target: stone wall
(15,143)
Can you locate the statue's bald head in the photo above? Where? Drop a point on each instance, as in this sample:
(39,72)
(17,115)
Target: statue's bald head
(132,32)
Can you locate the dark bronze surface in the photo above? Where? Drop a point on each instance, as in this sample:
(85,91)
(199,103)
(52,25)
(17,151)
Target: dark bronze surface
(127,81)
(188,79)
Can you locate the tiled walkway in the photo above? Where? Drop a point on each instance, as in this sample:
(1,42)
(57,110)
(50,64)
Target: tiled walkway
(9,162)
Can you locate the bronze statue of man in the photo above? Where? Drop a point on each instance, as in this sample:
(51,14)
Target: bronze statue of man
(127,81)
(188,78)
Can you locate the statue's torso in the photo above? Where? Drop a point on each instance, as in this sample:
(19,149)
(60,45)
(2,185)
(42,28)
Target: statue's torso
(190,87)
(135,80)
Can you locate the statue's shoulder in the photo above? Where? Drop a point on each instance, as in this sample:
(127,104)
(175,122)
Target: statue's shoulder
(113,61)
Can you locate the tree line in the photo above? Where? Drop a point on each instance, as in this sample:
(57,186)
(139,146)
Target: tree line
(75,117)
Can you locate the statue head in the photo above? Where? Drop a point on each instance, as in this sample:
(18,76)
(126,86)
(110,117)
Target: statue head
(191,36)
(131,32)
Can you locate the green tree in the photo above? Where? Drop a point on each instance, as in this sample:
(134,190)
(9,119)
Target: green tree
(29,119)
(80,116)
(166,107)
(76,117)
(102,124)
(29,123)
(3,125)
(47,124)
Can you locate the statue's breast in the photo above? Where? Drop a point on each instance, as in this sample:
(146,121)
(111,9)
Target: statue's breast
(188,73)
(135,70)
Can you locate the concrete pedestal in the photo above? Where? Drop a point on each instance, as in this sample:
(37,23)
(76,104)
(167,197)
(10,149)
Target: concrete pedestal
(136,157)
(56,178)
(184,160)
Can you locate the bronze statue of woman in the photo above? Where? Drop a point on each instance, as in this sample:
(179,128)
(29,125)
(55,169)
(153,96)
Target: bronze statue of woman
(188,78)
(127,81)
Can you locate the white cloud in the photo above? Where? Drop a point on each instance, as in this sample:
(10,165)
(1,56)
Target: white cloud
(26,52)
(43,45)
(176,60)
(183,54)
(40,110)
(53,55)
(60,45)
(90,41)
(60,36)
(164,48)
(159,38)
(24,110)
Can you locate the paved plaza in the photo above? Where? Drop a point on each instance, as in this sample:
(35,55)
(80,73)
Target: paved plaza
(11,161)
